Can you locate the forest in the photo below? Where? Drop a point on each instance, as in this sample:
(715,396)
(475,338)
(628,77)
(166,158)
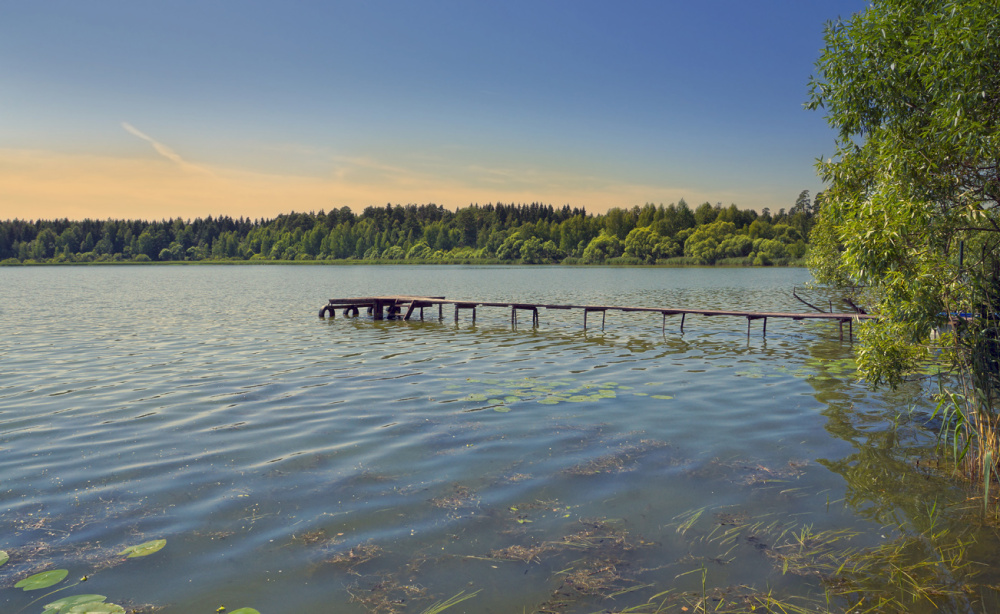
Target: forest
(493,233)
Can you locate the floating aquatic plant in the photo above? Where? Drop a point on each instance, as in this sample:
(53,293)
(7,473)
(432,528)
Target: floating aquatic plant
(144,549)
(44,579)
(67,604)
(88,603)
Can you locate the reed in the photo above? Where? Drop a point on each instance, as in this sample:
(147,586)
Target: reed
(970,437)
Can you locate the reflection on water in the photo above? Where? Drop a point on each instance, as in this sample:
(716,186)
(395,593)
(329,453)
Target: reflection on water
(357,466)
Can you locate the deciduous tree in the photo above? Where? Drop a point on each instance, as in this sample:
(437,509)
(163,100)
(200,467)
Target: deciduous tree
(911,214)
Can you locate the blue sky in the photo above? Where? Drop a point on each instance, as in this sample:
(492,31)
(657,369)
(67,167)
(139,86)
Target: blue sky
(155,110)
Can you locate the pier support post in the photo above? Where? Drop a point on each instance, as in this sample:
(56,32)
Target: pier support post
(586,310)
(683,315)
(440,311)
(751,318)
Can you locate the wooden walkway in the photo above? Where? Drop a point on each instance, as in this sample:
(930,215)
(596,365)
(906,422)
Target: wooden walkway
(381,307)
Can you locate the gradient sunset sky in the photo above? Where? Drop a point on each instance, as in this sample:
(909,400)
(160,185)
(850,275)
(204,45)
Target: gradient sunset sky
(154,110)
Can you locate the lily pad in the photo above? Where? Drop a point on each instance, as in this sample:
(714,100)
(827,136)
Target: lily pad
(551,400)
(494,391)
(43,580)
(96,608)
(665,397)
(479,398)
(245,611)
(144,549)
(495,401)
(68,602)
(511,399)
(4,557)
(502,409)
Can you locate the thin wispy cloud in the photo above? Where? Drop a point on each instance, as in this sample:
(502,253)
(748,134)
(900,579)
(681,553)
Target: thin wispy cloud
(162,149)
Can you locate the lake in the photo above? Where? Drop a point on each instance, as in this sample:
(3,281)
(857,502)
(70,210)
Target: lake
(294,464)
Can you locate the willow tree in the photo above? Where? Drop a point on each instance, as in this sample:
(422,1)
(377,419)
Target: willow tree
(910,219)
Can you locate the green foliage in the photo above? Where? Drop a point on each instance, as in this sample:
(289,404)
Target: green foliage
(705,242)
(911,222)
(601,248)
(912,88)
(419,251)
(493,233)
(44,579)
(144,549)
(67,604)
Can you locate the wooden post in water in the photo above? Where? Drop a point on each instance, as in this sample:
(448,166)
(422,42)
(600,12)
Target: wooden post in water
(683,315)
(586,310)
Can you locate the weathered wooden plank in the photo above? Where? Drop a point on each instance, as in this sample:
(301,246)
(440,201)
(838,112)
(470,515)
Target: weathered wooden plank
(393,306)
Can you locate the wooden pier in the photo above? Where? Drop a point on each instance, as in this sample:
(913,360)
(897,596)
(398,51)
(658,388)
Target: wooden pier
(381,307)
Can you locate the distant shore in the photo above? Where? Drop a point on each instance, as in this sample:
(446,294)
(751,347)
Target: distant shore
(667,264)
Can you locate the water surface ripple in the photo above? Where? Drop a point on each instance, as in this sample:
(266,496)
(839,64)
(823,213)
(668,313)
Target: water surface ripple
(292,463)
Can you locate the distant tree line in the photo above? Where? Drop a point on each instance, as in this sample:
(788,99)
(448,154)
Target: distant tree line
(530,234)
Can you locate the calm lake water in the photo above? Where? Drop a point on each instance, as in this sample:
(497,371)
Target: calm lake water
(302,465)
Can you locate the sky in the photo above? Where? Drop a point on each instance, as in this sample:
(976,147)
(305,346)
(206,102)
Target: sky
(155,110)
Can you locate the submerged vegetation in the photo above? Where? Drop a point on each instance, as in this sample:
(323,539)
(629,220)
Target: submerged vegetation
(528,234)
